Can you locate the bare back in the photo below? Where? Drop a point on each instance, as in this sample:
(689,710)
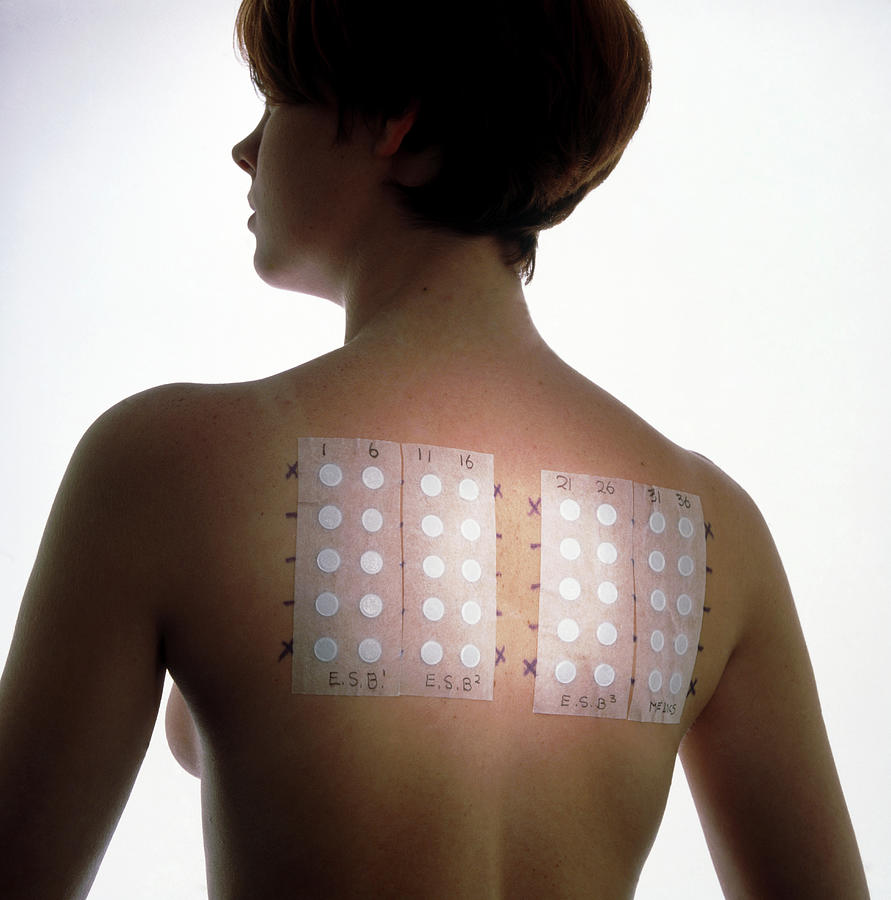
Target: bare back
(170,547)
(414,796)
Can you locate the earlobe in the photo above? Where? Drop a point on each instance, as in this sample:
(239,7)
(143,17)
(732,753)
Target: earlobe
(393,132)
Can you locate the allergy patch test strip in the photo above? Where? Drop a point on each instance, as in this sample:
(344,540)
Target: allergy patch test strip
(395,570)
(348,579)
(669,577)
(586,600)
(622,593)
(448,511)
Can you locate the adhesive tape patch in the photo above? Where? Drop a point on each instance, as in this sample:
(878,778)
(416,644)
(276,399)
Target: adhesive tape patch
(395,570)
(348,578)
(448,511)
(669,534)
(621,601)
(586,606)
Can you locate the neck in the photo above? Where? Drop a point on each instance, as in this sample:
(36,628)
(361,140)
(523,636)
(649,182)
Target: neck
(439,296)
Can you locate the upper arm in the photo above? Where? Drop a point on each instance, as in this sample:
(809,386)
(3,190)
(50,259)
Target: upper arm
(758,759)
(82,684)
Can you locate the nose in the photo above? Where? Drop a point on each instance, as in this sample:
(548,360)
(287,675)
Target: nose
(245,158)
(245,151)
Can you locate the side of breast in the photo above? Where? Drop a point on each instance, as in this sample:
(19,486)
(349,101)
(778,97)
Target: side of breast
(182,735)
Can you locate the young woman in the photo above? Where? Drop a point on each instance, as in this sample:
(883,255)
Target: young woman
(408,157)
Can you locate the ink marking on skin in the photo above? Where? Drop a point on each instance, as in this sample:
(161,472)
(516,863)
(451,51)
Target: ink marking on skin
(290,559)
(499,654)
(708,570)
(497,612)
(498,493)
(536,507)
(497,535)
(290,515)
(288,602)
(692,689)
(535,546)
(708,531)
(292,472)
(699,648)
(498,574)
(533,626)
(534,587)
(288,651)
(529,667)
(706,609)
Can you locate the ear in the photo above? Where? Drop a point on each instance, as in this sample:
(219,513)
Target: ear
(393,132)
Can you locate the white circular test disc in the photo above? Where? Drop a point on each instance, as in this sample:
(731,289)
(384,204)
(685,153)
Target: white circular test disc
(370,650)
(570,589)
(328,560)
(431,485)
(565,672)
(606,514)
(325,649)
(685,527)
(371,606)
(604,675)
(685,605)
(657,523)
(327,604)
(471,570)
(470,656)
(470,530)
(657,600)
(607,553)
(372,520)
(656,561)
(657,641)
(570,549)
(568,630)
(330,517)
(570,510)
(432,526)
(372,477)
(433,567)
(607,592)
(471,612)
(433,609)
(676,683)
(431,653)
(607,633)
(330,475)
(371,562)
(686,566)
(468,489)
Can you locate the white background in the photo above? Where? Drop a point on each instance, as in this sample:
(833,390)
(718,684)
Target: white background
(743,241)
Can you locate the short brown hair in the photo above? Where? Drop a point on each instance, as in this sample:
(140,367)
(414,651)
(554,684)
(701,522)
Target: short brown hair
(530,103)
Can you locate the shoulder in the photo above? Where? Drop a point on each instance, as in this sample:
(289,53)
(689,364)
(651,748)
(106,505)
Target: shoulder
(145,473)
(162,437)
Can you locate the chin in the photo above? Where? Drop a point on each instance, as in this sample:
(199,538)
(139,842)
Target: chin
(301,279)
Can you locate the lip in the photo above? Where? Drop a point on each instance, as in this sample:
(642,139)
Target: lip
(250,221)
